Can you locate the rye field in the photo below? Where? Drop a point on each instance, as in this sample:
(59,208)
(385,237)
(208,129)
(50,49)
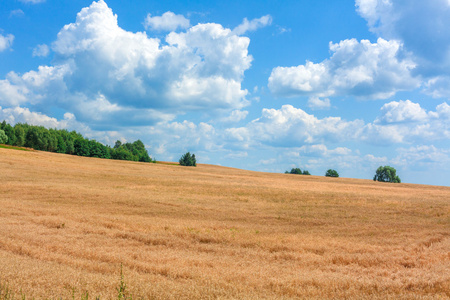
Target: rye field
(69,223)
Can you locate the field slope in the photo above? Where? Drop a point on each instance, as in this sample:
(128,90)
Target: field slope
(68,223)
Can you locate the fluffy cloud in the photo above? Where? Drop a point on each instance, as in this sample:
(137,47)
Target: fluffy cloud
(399,122)
(108,76)
(6,41)
(360,69)
(407,122)
(401,112)
(24,115)
(412,22)
(292,127)
(167,22)
(252,25)
(41,50)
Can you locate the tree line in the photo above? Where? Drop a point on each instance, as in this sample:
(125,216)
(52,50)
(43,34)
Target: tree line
(63,141)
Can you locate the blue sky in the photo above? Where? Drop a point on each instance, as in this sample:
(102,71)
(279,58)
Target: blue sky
(258,85)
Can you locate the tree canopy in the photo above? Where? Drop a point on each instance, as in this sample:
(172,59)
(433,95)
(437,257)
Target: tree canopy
(188,160)
(386,174)
(331,173)
(3,137)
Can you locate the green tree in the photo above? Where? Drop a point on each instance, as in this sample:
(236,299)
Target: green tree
(331,173)
(10,133)
(122,153)
(188,160)
(34,138)
(297,171)
(61,145)
(386,174)
(81,147)
(3,137)
(117,144)
(20,135)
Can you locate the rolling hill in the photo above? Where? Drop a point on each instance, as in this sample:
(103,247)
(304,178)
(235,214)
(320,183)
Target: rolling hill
(68,223)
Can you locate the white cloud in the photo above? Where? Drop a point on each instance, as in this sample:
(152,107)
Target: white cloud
(137,80)
(235,116)
(422,155)
(171,139)
(19,114)
(400,122)
(407,122)
(41,50)
(6,41)
(252,25)
(321,150)
(24,115)
(361,69)
(316,103)
(167,22)
(412,22)
(401,112)
(292,127)
(438,87)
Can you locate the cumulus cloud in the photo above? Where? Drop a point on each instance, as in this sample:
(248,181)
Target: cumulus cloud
(401,112)
(24,115)
(167,22)
(111,77)
(361,69)
(6,41)
(412,22)
(407,122)
(252,25)
(292,127)
(41,50)
(399,122)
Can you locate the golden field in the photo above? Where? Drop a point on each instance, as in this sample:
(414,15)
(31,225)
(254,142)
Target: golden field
(68,223)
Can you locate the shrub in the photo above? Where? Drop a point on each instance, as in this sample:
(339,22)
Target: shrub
(386,174)
(188,160)
(331,173)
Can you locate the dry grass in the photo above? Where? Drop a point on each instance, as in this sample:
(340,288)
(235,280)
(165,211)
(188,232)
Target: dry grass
(67,223)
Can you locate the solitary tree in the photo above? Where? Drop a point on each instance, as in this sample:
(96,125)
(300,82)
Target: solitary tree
(188,160)
(331,173)
(386,174)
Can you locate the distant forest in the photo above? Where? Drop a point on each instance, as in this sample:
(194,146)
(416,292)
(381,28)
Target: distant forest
(63,141)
